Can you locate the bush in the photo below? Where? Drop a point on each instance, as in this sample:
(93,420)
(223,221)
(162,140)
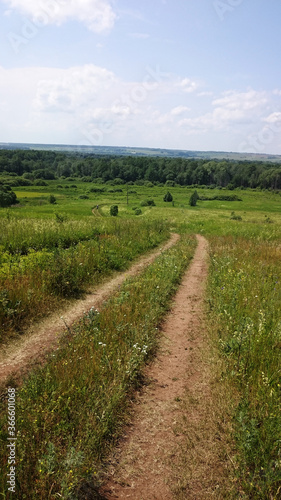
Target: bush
(40,182)
(144,203)
(117,181)
(28,175)
(52,199)
(114,210)
(168,197)
(235,217)
(7,197)
(220,197)
(138,211)
(96,190)
(193,199)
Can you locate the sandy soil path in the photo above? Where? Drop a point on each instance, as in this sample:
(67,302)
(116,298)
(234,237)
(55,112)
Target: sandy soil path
(19,355)
(152,451)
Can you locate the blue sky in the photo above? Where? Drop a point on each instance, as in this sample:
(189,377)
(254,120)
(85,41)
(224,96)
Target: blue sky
(175,74)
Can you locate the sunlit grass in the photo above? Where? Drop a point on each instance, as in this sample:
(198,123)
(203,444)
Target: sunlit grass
(245,298)
(43,262)
(70,411)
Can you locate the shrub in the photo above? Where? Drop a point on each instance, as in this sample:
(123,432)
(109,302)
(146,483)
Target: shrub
(52,199)
(168,197)
(235,217)
(40,182)
(220,197)
(138,211)
(193,199)
(144,203)
(114,210)
(7,197)
(96,190)
(117,181)
(60,217)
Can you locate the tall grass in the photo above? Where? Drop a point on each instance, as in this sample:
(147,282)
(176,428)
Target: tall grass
(69,411)
(245,297)
(32,284)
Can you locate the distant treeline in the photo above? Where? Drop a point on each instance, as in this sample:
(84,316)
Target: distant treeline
(33,165)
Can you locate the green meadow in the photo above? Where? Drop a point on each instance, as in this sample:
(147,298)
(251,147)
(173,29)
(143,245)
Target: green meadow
(68,418)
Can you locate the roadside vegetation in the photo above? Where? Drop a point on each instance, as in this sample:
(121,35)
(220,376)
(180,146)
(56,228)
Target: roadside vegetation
(244,298)
(43,262)
(71,411)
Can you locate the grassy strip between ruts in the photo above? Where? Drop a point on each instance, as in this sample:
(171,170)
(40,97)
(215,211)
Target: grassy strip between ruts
(70,411)
(245,295)
(31,285)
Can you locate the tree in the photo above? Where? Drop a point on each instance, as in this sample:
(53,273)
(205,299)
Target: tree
(168,197)
(193,199)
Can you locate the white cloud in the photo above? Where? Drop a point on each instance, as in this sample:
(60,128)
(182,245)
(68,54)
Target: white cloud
(273,118)
(89,104)
(243,101)
(205,94)
(72,88)
(179,110)
(187,85)
(233,109)
(97,15)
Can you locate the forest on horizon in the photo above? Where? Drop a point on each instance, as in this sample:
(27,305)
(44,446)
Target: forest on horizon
(24,167)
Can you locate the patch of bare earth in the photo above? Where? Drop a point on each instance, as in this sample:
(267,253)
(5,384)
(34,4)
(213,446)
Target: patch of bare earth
(18,356)
(172,448)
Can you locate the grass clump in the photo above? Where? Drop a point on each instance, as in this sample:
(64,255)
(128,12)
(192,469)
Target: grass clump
(70,411)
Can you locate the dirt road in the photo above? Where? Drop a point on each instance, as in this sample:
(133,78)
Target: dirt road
(156,460)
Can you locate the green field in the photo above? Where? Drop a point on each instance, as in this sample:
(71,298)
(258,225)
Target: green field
(54,252)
